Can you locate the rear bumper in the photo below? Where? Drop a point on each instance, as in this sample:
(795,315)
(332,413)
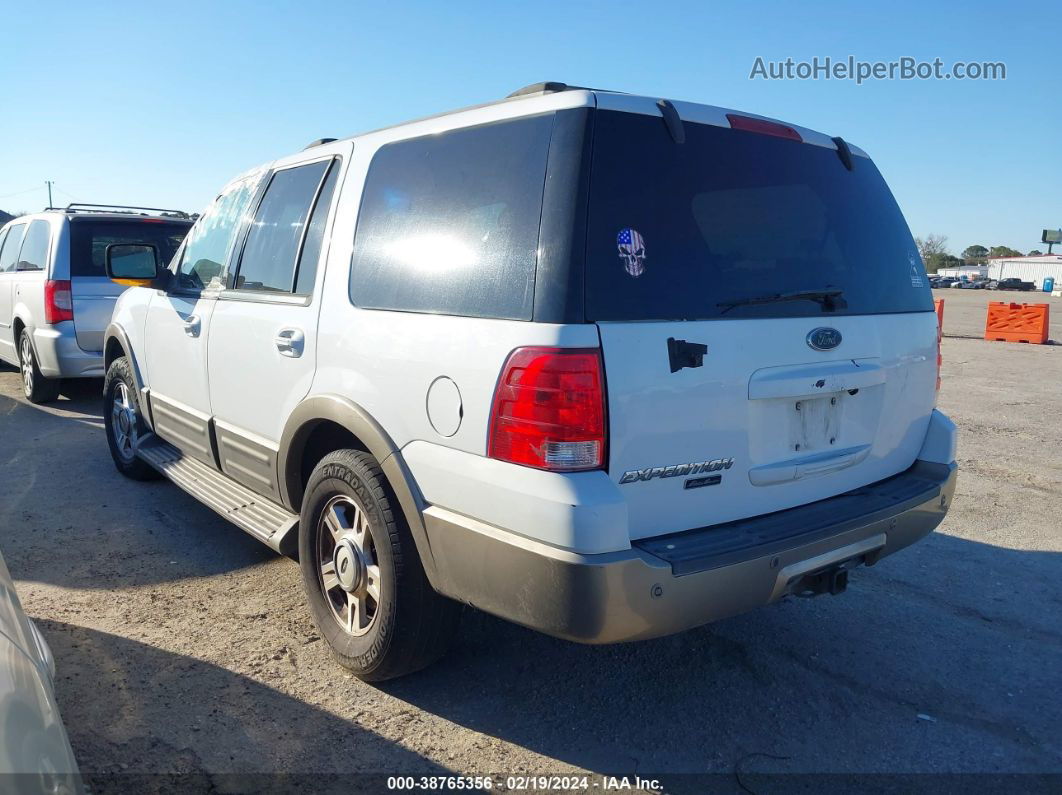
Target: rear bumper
(59,356)
(668,584)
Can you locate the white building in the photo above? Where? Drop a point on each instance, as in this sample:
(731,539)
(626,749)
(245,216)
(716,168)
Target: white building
(964,272)
(1028,269)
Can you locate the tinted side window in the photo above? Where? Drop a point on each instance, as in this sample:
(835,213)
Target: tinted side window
(268,261)
(311,246)
(207,246)
(9,254)
(3,237)
(449,223)
(35,247)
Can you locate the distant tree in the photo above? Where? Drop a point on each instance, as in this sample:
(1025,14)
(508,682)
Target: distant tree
(931,245)
(938,261)
(1035,253)
(975,253)
(1003,251)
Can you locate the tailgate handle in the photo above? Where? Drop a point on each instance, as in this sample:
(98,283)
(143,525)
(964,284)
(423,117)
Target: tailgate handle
(685,354)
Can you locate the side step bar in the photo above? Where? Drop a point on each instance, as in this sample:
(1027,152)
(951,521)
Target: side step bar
(262,518)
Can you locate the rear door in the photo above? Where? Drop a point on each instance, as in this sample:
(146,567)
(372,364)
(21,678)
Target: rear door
(92,292)
(263,335)
(729,394)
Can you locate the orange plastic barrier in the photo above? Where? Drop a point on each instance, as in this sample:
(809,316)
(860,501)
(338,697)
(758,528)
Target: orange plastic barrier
(938,304)
(1017,322)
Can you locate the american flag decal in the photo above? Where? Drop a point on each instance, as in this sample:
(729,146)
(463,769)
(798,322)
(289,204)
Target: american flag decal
(632,251)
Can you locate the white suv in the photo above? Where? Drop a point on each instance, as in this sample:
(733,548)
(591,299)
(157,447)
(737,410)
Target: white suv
(606,366)
(55,299)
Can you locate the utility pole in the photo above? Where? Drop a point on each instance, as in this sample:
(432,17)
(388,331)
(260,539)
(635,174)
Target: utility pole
(48,182)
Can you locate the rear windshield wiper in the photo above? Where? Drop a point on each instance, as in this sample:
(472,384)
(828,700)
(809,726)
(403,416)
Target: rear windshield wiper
(829,300)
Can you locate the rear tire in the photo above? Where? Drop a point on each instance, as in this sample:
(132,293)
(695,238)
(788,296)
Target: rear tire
(364,580)
(123,420)
(35,386)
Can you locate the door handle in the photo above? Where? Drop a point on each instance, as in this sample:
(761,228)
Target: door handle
(192,325)
(290,342)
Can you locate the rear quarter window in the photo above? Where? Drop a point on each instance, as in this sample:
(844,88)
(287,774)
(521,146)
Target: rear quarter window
(449,223)
(34,253)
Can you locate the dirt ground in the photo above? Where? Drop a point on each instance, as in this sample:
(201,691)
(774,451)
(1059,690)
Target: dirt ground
(183,645)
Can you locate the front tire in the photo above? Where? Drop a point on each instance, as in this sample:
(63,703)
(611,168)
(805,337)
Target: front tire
(123,420)
(364,580)
(35,386)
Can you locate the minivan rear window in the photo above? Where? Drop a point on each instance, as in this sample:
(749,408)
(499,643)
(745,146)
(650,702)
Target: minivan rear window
(89,238)
(688,231)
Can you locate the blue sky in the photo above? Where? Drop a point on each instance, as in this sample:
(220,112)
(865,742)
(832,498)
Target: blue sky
(160,104)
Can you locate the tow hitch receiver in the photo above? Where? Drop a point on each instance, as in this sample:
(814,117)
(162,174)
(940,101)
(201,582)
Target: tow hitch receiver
(832,581)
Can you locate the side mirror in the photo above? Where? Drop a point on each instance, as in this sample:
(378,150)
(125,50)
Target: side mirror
(135,265)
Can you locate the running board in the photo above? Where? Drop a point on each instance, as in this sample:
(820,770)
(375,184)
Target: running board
(251,512)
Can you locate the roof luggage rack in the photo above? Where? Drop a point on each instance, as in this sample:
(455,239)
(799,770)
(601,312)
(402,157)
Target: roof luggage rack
(122,209)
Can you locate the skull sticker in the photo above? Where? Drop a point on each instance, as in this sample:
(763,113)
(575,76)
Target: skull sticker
(632,251)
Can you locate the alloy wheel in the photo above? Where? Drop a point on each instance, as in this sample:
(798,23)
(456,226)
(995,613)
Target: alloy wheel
(123,421)
(26,361)
(347,565)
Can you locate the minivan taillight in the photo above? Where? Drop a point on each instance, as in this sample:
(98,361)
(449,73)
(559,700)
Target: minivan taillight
(549,410)
(58,303)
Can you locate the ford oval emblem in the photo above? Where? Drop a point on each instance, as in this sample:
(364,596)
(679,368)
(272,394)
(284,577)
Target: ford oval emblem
(824,339)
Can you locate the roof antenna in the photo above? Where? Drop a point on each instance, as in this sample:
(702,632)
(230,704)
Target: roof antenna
(843,152)
(672,120)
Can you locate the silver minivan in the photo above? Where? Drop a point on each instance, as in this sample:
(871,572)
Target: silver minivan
(56,299)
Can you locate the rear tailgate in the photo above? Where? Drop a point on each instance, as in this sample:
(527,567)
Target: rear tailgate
(791,399)
(765,423)
(93,293)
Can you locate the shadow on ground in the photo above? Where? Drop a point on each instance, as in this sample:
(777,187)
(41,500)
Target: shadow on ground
(933,661)
(115,532)
(141,722)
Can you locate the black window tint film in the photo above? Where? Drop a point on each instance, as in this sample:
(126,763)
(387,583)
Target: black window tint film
(311,246)
(12,243)
(89,238)
(35,247)
(449,223)
(675,230)
(268,261)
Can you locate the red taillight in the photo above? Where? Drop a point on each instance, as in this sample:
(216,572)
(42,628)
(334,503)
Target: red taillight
(763,127)
(549,409)
(58,303)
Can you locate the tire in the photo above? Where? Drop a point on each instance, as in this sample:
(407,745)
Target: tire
(35,386)
(351,526)
(123,420)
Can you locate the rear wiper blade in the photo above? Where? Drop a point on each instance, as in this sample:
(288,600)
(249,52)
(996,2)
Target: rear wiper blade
(829,300)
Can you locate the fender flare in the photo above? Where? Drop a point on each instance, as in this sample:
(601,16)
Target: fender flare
(116,332)
(348,414)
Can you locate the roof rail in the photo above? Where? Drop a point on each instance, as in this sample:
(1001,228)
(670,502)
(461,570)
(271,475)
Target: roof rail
(552,87)
(126,209)
(318,142)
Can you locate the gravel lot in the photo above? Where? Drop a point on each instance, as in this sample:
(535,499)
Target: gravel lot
(184,645)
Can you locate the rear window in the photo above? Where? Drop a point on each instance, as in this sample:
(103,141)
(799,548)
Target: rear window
(449,223)
(679,231)
(89,238)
